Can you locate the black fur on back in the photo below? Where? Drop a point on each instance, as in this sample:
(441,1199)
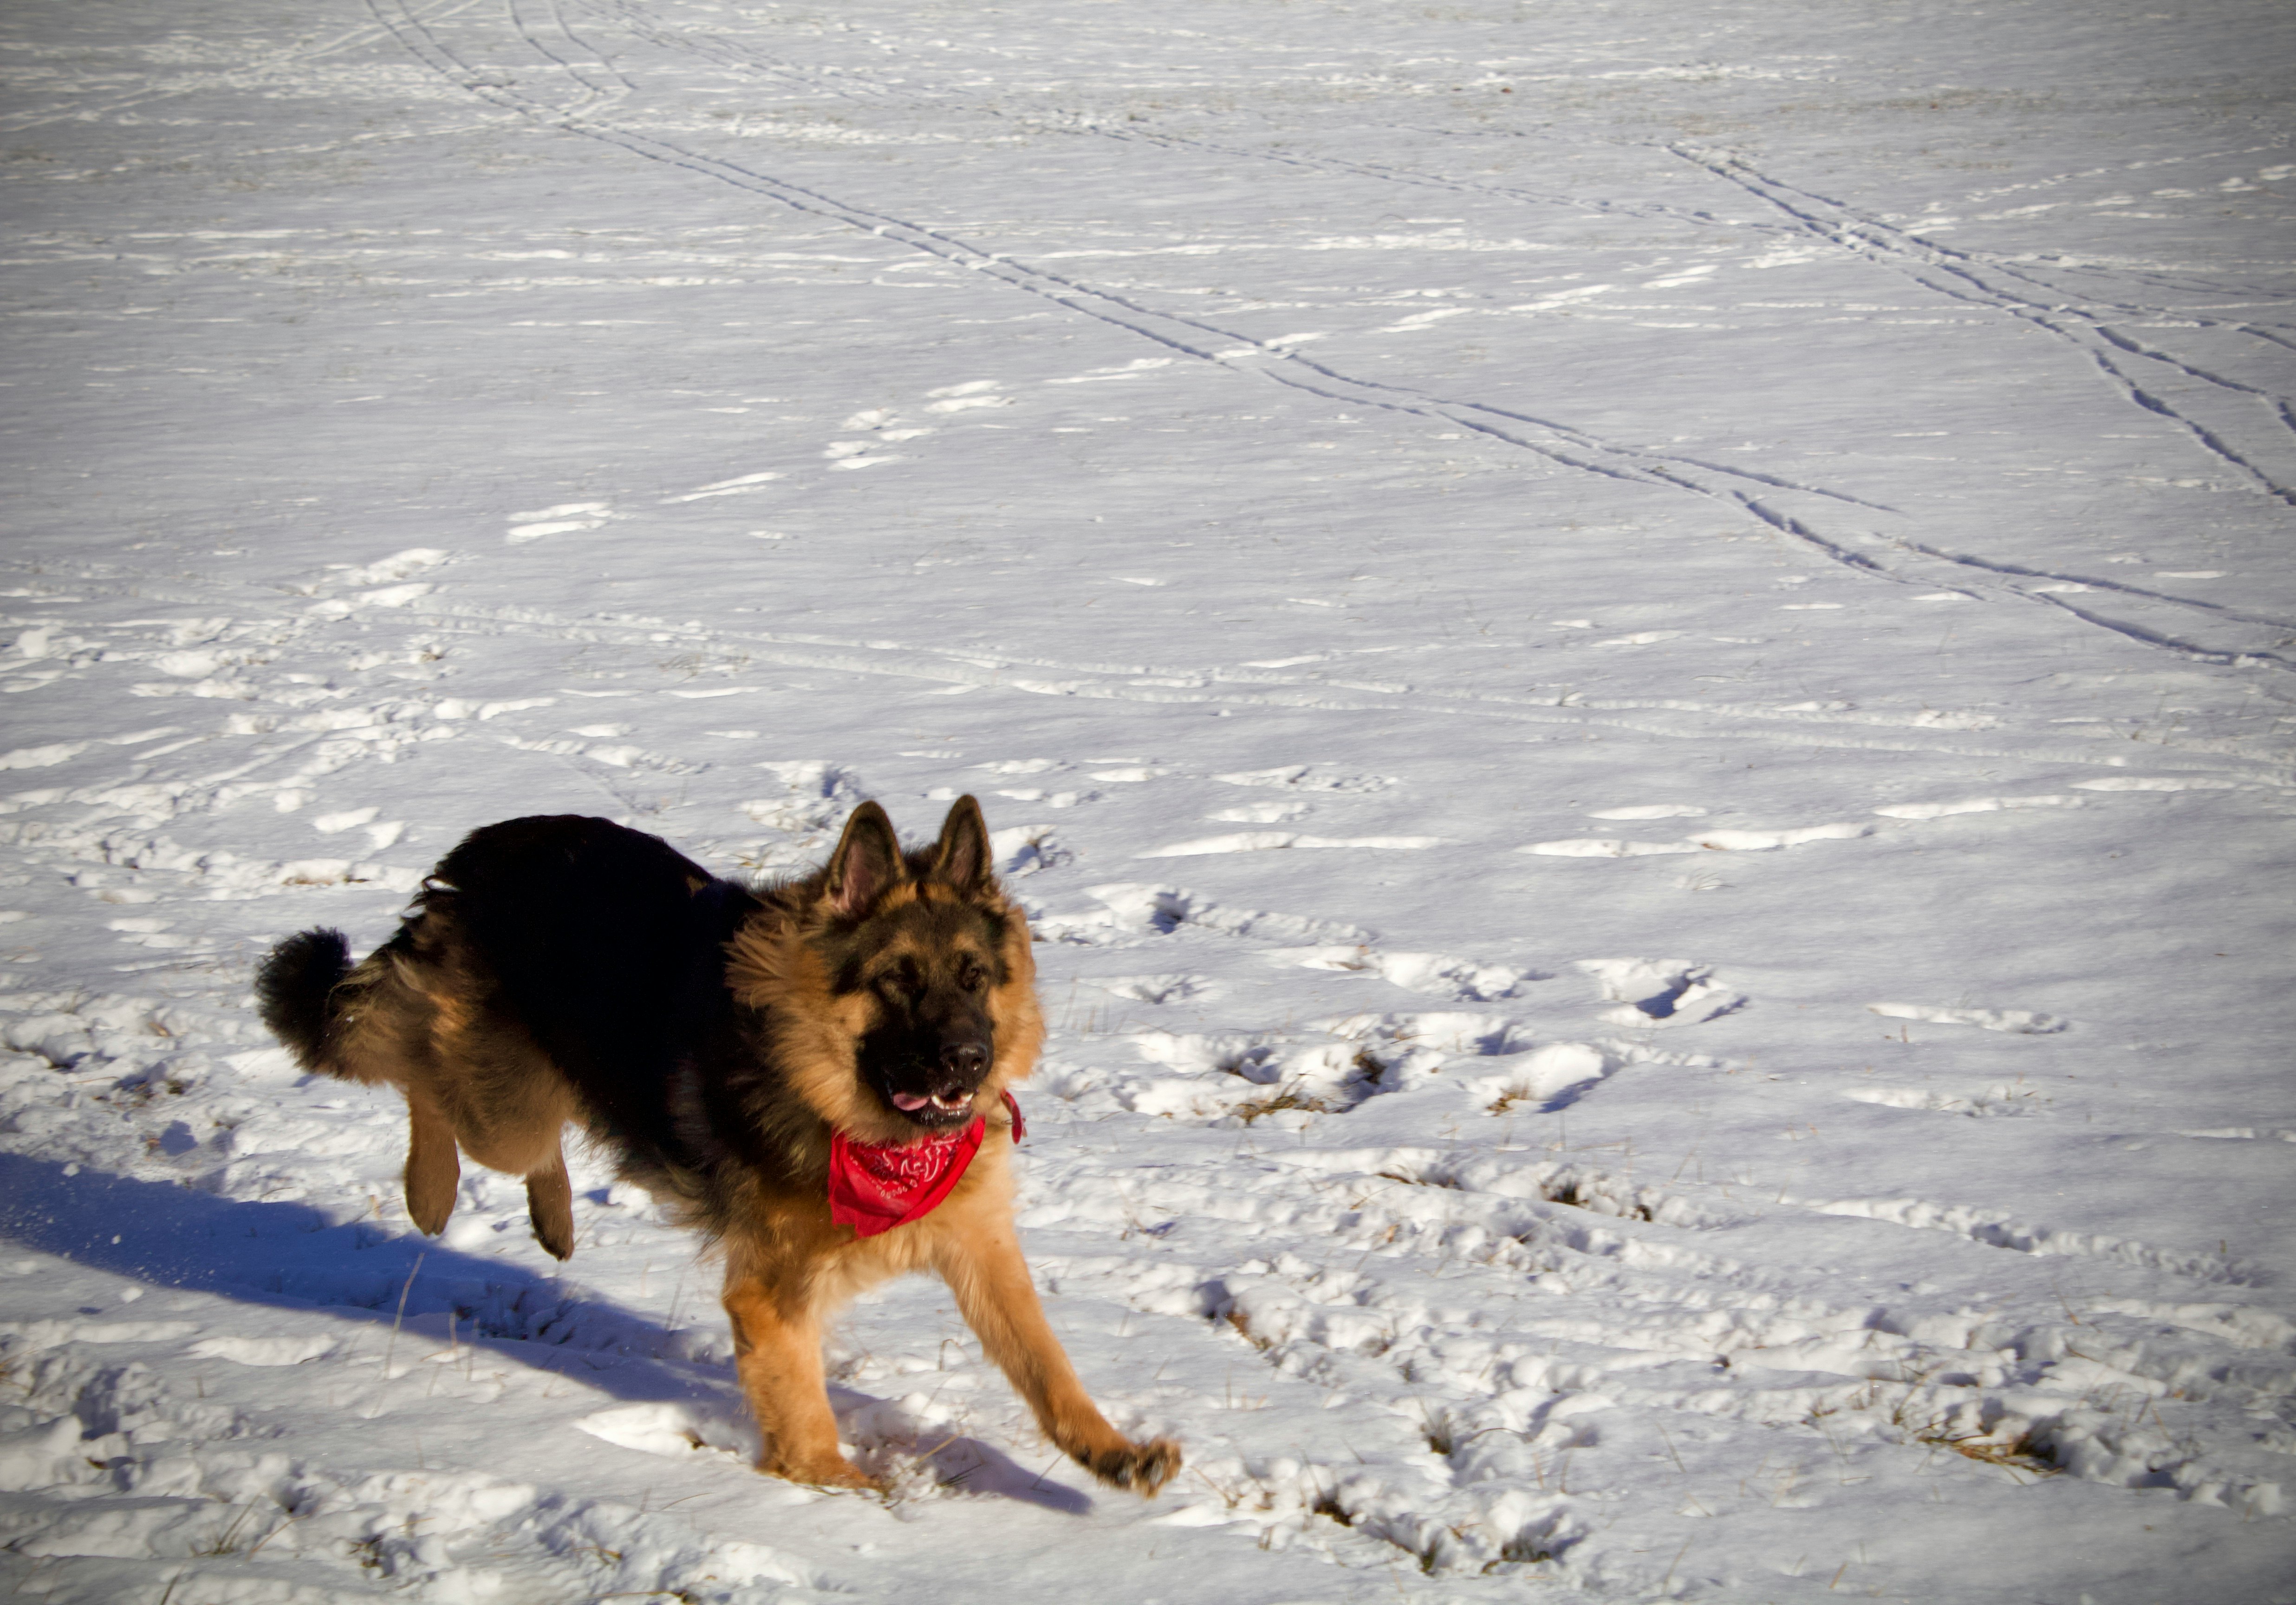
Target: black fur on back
(292,988)
(608,945)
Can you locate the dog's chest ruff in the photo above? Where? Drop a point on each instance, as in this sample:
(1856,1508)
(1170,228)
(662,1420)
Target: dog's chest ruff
(876,1187)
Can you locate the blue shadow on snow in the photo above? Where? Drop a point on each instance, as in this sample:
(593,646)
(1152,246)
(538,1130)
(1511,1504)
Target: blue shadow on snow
(292,1257)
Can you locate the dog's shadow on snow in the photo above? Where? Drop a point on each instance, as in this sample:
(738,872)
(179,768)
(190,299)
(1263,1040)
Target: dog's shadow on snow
(982,1471)
(292,1257)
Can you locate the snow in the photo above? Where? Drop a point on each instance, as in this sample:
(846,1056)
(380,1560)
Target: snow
(1634,660)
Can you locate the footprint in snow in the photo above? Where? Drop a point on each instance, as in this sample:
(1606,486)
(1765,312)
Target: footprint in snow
(1996,1231)
(566,518)
(1166,910)
(1025,849)
(1709,841)
(1432,975)
(1999,1099)
(740,484)
(1307,777)
(2155,783)
(1662,991)
(1275,841)
(1168,988)
(1260,814)
(673,1430)
(2017,1022)
(968,397)
(1545,1079)
(1939,811)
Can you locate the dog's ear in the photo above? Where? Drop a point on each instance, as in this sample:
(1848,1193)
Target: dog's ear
(868,862)
(963,859)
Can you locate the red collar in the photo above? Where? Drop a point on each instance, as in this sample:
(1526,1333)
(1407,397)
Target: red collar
(874,1186)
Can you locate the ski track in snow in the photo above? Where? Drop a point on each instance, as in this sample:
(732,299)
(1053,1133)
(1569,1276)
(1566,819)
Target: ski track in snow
(1675,1159)
(1555,441)
(1185,335)
(1956,275)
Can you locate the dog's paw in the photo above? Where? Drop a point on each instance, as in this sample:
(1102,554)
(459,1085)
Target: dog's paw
(549,1206)
(831,1471)
(429,1203)
(1142,1467)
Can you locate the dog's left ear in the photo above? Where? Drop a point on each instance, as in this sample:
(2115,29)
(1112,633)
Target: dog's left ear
(962,858)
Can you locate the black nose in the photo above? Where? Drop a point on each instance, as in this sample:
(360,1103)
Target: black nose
(966,1059)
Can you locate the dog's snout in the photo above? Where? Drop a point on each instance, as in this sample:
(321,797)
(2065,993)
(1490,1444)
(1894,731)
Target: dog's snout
(969,1060)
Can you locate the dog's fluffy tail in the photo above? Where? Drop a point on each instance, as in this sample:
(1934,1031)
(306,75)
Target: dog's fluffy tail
(292,991)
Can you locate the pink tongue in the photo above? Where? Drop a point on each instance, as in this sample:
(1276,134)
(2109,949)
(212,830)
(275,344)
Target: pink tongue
(909,1101)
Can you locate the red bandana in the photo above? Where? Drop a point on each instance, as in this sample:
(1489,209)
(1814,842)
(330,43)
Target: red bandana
(874,1186)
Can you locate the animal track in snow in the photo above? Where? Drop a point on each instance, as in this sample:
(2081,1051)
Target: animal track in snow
(265,1351)
(2018,1022)
(42,757)
(1066,799)
(967,397)
(858,454)
(1482,1034)
(2243,1326)
(1939,811)
(2155,783)
(1275,841)
(400,565)
(567,518)
(674,1430)
(1999,1231)
(1435,974)
(1542,1078)
(1715,841)
(738,485)
(1258,813)
(1167,988)
(1296,1074)
(1163,909)
(1025,849)
(1325,1066)
(1127,774)
(1307,777)
(1661,992)
(818,793)
(1999,1099)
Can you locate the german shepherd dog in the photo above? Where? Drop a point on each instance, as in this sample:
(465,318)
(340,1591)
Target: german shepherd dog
(814,1073)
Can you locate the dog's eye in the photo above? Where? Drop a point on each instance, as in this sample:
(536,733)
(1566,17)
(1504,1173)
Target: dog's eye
(973,976)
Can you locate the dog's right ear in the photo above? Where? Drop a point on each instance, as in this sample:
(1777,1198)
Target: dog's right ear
(868,862)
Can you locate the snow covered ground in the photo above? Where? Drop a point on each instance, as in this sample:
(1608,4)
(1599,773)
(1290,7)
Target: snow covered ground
(1635,660)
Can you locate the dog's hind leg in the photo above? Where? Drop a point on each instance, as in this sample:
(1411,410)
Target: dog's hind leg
(550,1205)
(432,1168)
(779,1361)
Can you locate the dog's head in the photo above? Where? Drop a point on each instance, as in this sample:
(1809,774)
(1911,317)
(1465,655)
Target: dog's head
(903,992)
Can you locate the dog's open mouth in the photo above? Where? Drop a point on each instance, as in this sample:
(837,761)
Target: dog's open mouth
(938,1108)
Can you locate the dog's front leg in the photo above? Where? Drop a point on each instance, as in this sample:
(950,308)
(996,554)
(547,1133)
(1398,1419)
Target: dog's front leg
(778,1357)
(990,1280)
